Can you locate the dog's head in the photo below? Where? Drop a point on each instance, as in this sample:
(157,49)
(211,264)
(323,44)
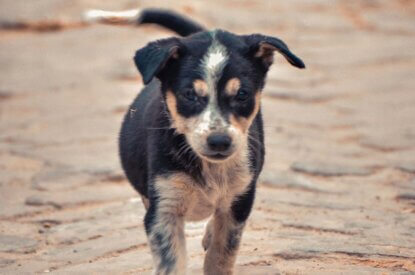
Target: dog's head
(212,83)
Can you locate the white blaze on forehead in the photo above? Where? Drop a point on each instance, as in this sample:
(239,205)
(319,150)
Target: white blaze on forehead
(213,63)
(214,59)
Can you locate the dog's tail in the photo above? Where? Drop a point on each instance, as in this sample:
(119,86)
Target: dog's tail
(168,19)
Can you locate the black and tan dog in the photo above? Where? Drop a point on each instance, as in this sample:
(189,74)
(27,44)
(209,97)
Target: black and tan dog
(192,142)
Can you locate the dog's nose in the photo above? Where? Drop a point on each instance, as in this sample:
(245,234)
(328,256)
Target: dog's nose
(219,142)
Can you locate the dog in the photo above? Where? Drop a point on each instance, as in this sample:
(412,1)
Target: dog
(192,142)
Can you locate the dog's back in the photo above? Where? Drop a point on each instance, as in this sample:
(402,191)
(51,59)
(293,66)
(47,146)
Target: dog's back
(138,125)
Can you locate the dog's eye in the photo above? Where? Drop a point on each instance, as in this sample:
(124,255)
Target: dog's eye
(242,95)
(190,95)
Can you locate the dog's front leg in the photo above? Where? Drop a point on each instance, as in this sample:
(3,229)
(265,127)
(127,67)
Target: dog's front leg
(164,224)
(224,232)
(167,243)
(223,244)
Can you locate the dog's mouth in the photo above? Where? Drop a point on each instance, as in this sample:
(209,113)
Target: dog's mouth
(211,155)
(217,156)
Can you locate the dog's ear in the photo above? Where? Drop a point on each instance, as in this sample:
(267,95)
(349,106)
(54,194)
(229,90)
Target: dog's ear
(263,47)
(151,59)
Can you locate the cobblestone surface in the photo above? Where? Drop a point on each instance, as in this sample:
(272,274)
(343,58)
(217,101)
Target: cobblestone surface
(338,190)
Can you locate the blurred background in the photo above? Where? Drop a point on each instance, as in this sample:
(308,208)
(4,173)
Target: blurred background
(337,193)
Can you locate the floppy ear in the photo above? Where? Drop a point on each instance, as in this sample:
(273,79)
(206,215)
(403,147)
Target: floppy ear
(151,59)
(261,46)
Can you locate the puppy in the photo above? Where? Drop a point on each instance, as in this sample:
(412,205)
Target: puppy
(192,142)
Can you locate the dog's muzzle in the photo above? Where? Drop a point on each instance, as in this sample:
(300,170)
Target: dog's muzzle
(219,146)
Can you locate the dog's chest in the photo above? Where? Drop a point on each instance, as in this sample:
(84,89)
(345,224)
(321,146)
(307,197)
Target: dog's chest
(222,184)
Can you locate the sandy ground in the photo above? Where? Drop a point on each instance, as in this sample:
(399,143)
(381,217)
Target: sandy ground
(337,194)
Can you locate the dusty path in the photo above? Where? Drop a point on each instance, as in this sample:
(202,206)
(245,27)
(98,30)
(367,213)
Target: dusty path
(338,190)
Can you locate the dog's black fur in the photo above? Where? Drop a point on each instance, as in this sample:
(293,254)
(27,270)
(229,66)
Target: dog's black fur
(171,20)
(151,143)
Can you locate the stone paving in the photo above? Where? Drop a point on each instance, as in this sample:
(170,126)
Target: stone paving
(337,194)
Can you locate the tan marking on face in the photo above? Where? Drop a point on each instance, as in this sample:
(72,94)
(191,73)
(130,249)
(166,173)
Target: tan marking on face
(201,88)
(177,120)
(232,86)
(195,128)
(243,123)
(182,124)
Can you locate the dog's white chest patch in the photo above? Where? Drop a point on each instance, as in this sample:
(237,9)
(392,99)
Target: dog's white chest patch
(201,207)
(222,184)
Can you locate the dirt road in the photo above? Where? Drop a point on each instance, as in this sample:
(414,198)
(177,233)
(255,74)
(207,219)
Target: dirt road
(337,194)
